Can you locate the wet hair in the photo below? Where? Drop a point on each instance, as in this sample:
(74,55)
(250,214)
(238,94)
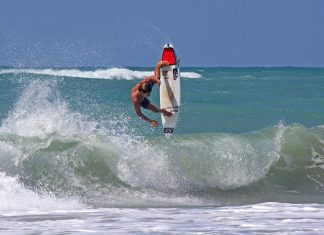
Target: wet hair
(145,87)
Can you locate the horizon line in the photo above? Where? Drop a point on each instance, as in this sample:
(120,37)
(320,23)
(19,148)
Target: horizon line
(132,66)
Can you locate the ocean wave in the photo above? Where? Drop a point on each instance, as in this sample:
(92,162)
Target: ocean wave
(52,150)
(122,171)
(111,73)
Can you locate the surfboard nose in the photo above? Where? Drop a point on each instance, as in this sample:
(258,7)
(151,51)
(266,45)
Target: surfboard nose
(169,55)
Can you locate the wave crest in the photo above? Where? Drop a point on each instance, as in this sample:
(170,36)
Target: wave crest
(112,73)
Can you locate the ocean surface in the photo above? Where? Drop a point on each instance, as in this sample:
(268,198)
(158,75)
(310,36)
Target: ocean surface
(247,155)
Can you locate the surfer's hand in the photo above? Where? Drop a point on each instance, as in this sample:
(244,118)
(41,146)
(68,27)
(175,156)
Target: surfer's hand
(163,63)
(154,123)
(166,113)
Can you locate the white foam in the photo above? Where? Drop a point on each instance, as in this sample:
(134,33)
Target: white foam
(225,161)
(111,73)
(40,112)
(190,75)
(14,197)
(275,218)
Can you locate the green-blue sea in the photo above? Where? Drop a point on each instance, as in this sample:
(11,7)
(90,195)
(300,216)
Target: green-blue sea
(246,157)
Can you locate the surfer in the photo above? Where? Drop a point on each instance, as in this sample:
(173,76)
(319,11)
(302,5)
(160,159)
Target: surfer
(142,90)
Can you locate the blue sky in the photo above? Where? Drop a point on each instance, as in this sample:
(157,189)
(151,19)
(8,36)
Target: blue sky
(240,33)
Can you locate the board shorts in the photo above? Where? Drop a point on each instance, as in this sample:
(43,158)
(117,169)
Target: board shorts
(145,103)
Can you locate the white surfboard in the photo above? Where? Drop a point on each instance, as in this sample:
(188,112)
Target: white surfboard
(170,89)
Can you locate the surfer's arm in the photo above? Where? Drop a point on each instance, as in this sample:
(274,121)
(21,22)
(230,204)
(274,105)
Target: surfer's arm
(139,113)
(156,78)
(158,110)
(158,67)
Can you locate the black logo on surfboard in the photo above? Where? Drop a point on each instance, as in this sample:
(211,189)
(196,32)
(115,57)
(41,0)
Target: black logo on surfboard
(168,130)
(175,74)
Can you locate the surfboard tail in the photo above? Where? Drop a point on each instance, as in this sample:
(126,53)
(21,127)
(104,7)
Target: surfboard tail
(168,131)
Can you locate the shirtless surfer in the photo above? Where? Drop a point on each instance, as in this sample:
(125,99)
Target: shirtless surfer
(142,90)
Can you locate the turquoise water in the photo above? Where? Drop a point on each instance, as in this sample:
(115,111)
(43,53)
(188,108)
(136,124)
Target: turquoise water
(70,140)
(220,99)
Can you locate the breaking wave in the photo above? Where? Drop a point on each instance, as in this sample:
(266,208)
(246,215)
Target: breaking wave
(112,73)
(48,149)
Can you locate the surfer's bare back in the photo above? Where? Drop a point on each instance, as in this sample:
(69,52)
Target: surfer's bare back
(142,90)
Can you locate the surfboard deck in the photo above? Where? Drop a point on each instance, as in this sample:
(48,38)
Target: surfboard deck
(170,89)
